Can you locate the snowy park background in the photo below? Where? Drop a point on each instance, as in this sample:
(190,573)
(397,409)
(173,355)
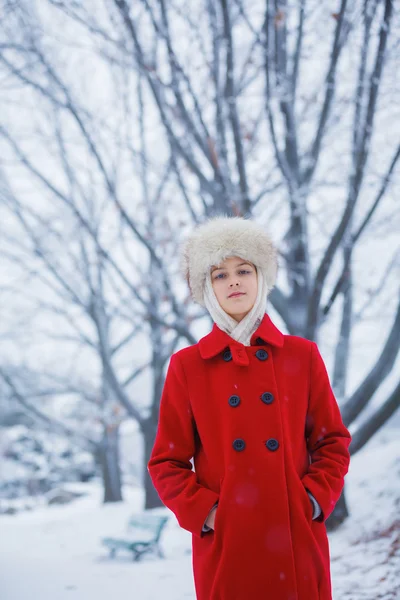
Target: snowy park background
(122,124)
(55,552)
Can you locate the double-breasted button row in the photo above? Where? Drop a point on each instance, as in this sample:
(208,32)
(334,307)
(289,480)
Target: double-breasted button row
(266,397)
(239,444)
(261,355)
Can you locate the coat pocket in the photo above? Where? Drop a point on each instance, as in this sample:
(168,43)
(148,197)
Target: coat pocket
(307,503)
(218,511)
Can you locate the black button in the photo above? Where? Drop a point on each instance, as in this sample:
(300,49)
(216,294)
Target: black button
(227,355)
(262,354)
(234,400)
(259,342)
(267,397)
(239,445)
(272,444)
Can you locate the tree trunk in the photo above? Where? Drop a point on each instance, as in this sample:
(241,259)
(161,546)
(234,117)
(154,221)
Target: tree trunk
(152,499)
(359,439)
(110,464)
(340,374)
(339,514)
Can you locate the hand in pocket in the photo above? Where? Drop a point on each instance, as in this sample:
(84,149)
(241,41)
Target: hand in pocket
(211,517)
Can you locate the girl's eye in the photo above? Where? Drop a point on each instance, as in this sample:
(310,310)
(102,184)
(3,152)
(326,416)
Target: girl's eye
(223,274)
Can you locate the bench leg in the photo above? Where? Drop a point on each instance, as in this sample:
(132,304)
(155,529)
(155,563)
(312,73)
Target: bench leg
(113,552)
(137,554)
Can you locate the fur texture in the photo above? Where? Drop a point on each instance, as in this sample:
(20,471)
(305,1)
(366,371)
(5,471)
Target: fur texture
(219,238)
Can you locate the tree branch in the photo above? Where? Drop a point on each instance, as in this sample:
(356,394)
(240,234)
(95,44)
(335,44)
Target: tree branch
(54,424)
(375,421)
(376,376)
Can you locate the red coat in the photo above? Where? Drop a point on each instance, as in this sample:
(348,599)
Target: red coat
(263,426)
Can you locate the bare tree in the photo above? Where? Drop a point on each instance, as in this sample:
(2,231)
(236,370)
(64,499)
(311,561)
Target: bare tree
(254,108)
(87,270)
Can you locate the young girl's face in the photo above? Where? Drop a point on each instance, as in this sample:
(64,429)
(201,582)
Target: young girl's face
(235,275)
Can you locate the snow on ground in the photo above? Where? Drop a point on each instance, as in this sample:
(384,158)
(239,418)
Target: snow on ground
(54,552)
(365,551)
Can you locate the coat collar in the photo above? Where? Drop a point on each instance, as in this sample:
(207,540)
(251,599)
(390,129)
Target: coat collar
(217,340)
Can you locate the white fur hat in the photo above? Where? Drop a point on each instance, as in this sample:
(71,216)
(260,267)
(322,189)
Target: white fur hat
(219,238)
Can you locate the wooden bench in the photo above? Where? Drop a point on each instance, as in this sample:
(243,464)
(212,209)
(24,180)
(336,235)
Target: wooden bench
(143,536)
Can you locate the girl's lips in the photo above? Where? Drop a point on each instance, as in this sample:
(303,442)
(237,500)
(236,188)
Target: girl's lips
(236,295)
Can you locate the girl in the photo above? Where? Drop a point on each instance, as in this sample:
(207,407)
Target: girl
(255,410)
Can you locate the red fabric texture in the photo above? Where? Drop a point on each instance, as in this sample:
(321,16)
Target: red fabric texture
(265,544)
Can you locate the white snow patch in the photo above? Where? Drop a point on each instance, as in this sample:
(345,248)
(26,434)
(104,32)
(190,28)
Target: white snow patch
(55,552)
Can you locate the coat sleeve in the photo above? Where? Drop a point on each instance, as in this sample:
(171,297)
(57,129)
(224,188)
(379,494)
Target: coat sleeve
(327,439)
(169,465)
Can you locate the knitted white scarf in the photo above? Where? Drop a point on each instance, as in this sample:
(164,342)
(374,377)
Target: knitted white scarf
(242,331)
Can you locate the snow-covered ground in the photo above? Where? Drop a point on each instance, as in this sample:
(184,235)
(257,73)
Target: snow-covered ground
(54,553)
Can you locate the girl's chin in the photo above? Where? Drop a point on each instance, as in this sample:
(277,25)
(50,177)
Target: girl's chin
(238,315)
